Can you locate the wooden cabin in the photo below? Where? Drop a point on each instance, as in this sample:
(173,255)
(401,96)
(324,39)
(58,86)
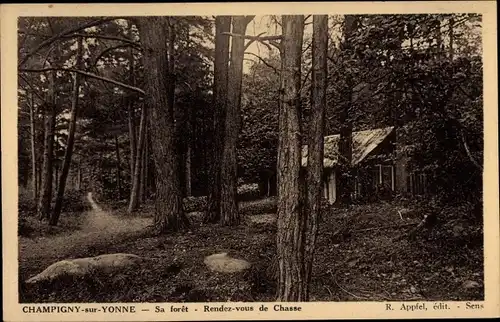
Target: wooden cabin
(372,164)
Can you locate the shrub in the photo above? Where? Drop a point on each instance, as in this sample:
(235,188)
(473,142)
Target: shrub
(248,192)
(262,206)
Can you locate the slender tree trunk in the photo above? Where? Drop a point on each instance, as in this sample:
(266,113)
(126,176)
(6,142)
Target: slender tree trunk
(118,169)
(132,136)
(145,167)
(142,179)
(71,139)
(48,154)
(38,180)
(136,181)
(315,146)
(229,166)
(400,116)
(131,114)
(34,172)
(169,215)
(188,170)
(79,180)
(222,25)
(188,142)
(452,37)
(290,243)
(56,173)
(345,185)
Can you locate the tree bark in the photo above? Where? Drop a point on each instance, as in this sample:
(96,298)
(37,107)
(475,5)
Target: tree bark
(188,170)
(71,139)
(79,180)
(118,169)
(290,243)
(229,166)
(48,153)
(345,182)
(136,180)
(34,168)
(222,25)
(143,179)
(451,37)
(169,215)
(131,114)
(132,136)
(315,145)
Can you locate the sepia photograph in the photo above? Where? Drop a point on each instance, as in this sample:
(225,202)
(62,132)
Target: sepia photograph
(250,158)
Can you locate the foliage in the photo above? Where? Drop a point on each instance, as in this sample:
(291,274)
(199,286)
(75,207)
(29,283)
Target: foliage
(406,72)
(110,46)
(259,135)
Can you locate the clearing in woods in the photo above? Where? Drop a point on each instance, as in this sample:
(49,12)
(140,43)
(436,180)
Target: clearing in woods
(357,259)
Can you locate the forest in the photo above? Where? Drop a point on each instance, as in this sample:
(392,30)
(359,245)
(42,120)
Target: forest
(250,158)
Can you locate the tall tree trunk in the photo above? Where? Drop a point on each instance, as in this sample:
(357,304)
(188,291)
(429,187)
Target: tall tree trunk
(400,116)
(131,113)
(345,182)
(452,37)
(118,169)
(71,139)
(222,25)
(136,180)
(188,170)
(56,172)
(79,180)
(290,243)
(132,135)
(142,180)
(169,215)
(315,146)
(145,167)
(48,153)
(34,172)
(229,166)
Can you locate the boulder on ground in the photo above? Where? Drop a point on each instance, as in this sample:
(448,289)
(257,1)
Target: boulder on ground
(225,264)
(79,267)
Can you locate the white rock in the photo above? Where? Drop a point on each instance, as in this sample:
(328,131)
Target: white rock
(225,264)
(108,263)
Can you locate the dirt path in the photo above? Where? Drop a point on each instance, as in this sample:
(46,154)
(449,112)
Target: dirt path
(99,228)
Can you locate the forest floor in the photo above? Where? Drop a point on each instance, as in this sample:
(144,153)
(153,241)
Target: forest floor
(358,258)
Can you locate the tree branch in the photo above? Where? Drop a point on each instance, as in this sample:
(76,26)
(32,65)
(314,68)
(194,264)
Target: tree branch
(104,79)
(66,32)
(125,40)
(251,41)
(257,38)
(105,51)
(263,61)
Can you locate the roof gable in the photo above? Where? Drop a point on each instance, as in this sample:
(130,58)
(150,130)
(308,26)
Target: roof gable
(363,143)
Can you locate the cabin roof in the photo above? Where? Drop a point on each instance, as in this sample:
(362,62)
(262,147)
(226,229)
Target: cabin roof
(363,142)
